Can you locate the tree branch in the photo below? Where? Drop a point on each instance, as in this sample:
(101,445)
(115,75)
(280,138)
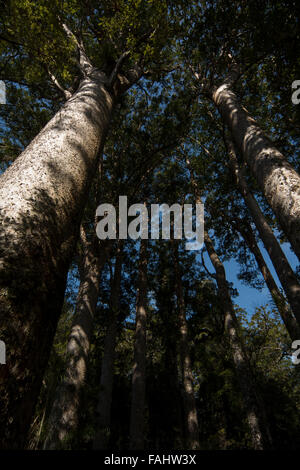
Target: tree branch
(116,69)
(84,63)
(204,265)
(66,93)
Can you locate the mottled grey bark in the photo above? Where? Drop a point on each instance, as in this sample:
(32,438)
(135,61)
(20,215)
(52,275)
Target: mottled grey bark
(189,403)
(63,417)
(103,412)
(253,408)
(137,418)
(42,195)
(279,182)
(283,269)
(288,319)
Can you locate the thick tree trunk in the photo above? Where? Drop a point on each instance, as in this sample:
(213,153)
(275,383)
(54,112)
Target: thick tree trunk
(279,182)
(103,413)
(283,309)
(42,196)
(137,419)
(63,418)
(283,269)
(189,403)
(253,409)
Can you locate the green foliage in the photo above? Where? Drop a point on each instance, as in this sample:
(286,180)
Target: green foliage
(163,119)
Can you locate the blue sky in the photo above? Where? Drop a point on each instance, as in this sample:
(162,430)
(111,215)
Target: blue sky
(250,298)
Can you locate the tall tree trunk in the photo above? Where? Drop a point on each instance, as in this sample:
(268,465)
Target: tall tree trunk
(137,419)
(103,414)
(240,361)
(42,196)
(189,403)
(64,413)
(288,319)
(173,429)
(251,403)
(279,182)
(221,433)
(283,269)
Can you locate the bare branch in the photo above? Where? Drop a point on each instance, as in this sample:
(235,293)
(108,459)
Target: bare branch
(85,64)
(66,93)
(196,74)
(202,146)
(115,71)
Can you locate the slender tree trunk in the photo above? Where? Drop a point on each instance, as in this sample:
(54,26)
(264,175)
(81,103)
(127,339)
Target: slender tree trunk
(42,196)
(251,403)
(189,403)
(137,419)
(279,182)
(240,361)
(173,434)
(64,413)
(283,269)
(282,306)
(222,437)
(103,414)
(169,423)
